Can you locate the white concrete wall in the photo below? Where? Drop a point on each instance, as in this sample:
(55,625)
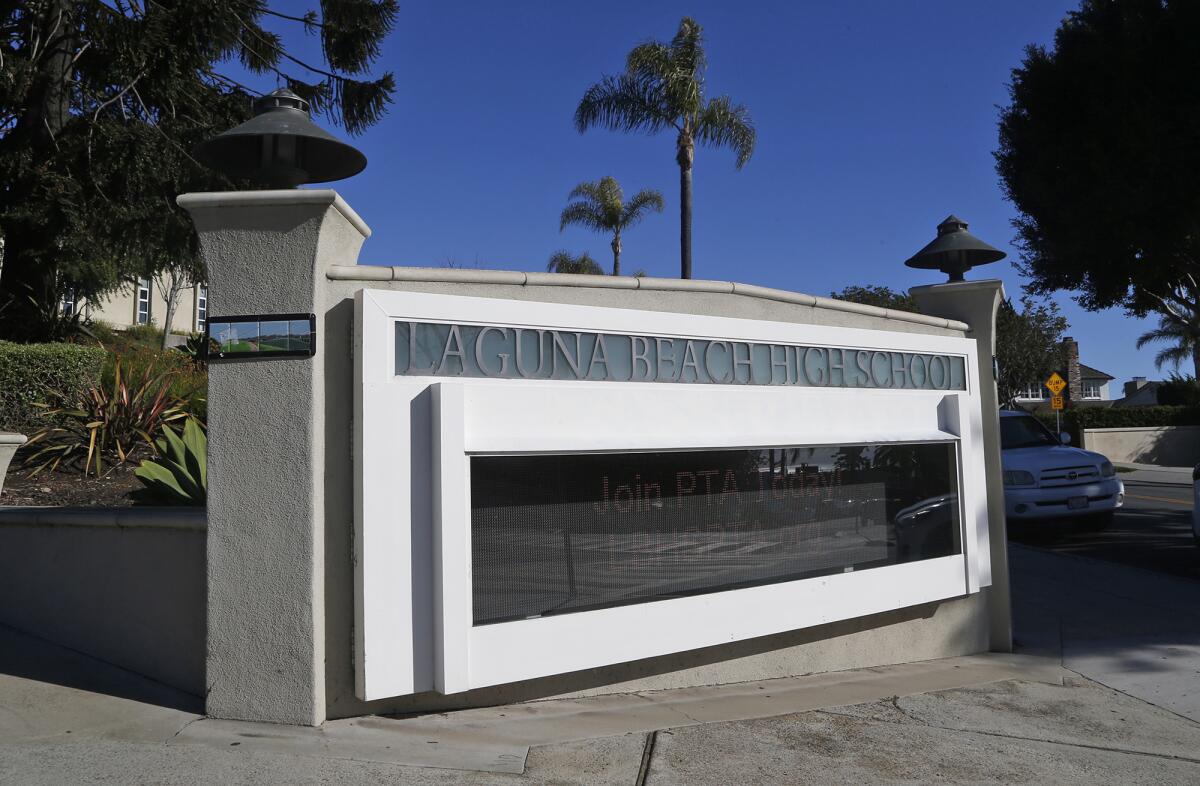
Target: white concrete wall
(1166,446)
(954,627)
(281,491)
(123,585)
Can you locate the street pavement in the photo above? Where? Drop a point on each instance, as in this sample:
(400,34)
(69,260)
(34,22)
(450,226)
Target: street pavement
(1152,530)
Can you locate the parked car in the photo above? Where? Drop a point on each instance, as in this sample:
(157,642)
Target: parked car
(1196,504)
(1045,478)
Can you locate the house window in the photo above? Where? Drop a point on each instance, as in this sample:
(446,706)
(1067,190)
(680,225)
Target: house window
(1035,392)
(143,302)
(1091,389)
(68,303)
(201,308)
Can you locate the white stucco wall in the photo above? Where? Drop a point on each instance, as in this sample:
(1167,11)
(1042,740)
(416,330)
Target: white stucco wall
(281,504)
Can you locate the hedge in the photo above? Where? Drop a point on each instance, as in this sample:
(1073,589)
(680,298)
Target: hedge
(43,373)
(1127,417)
(1073,420)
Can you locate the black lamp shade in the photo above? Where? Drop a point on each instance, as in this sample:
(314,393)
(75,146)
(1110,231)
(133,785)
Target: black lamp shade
(954,251)
(281,147)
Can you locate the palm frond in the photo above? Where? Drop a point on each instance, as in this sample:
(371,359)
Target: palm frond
(583,214)
(644,202)
(1182,331)
(687,47)
(589,190)
(1175,355)
(599,205)
(1161,333)
(623,103)
(566,262)
(725,124)
(651,60)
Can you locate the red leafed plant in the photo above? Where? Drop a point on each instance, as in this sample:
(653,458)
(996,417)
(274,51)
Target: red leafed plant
(107,426)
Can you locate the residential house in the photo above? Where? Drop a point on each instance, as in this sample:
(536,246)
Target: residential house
(1139,392)
(142,302)
(1084,384)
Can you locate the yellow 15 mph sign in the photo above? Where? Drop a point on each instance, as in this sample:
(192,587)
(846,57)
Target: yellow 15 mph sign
(1056,384)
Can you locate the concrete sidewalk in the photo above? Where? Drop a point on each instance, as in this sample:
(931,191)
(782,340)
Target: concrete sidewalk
(1152,473)
(1024,718)
(1131,629)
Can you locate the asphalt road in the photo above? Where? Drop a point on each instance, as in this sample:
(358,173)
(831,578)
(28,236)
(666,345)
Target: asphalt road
(1152,530)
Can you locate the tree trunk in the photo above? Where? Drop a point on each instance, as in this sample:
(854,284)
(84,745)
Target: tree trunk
(49,97)
(616,247)
(1196,360)
(30,296)
(685,153)
(175,285)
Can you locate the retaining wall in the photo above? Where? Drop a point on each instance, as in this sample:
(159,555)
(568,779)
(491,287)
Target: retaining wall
(126,586)
(1167,446)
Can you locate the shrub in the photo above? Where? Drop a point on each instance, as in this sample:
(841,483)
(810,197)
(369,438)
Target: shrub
(1079,418)
(1125,417)
(108,424)
(43,373)
(150,335)
(187,381)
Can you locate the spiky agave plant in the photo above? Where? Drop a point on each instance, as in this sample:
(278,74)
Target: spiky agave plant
(178,475)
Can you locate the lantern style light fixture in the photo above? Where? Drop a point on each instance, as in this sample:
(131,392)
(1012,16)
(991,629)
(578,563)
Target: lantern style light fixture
(281,147)
(954,251)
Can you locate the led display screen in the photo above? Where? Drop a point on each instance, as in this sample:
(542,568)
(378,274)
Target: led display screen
(554,534)
(261,336)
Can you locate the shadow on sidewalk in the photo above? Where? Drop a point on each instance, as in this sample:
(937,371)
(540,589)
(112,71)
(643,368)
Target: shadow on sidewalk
(32,658)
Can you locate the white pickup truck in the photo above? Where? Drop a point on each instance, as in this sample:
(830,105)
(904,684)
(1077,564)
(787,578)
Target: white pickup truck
(1044,478)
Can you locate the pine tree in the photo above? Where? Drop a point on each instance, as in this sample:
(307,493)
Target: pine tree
(101,103)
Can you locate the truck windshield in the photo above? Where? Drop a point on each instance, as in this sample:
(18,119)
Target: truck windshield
(1024,433)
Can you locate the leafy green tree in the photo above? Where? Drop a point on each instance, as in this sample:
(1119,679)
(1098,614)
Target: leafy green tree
(663,89)
(1098,153)
(1028,341)
(1182,337)
(884,297)
(601,207)
(100,104)
(1178,390)
(1028,345)
(566,262)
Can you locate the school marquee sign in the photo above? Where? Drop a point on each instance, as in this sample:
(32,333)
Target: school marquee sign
(465,350)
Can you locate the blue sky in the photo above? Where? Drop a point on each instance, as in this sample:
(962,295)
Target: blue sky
(875,120)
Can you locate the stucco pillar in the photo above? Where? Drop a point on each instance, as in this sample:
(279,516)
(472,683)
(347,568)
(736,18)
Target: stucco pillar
(976,303)
(267,252)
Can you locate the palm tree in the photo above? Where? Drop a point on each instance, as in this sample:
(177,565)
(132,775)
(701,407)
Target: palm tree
(662,88)
(601,208)
(566,262)
(1181,328)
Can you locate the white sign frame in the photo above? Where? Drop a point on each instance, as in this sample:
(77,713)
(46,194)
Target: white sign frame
(413,619)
